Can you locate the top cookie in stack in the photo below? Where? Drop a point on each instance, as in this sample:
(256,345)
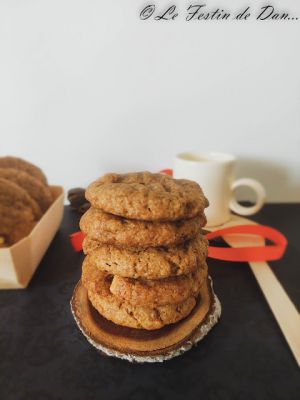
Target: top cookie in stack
(146,257)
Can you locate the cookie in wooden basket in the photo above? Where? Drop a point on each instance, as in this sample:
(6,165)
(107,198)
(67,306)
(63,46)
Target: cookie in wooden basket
(23,165)
(38,191)
(18,213)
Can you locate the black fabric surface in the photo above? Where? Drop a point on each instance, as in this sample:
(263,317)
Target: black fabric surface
(44,356)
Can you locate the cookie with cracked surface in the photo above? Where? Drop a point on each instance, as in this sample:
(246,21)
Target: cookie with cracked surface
(14,194)
(111,229)
(147,196)
(17,214)
(37,190)
(23,165)
(98,283)
(152,293)
(150,262)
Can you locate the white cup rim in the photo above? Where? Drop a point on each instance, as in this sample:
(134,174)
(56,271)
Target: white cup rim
(207,157)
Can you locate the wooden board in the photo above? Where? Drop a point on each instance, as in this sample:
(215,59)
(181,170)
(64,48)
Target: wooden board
(140,345)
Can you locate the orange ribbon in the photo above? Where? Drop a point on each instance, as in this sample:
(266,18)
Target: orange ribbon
(76,240)
(240,254)
(249,254)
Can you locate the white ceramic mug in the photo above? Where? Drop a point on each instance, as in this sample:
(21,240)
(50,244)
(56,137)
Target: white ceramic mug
(215,174)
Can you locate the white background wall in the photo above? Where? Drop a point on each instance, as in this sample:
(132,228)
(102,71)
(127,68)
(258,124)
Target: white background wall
(87,87)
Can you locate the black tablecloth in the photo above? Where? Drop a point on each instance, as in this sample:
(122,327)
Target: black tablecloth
(44,356)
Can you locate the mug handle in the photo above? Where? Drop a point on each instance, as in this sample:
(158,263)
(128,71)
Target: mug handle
(260,196)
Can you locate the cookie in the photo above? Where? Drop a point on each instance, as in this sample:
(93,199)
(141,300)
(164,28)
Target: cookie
(150,262)
(146,196)
(16,213)
(111,229)
(19,163)
(37,190)
(98,283)
(14,194)
(152,293)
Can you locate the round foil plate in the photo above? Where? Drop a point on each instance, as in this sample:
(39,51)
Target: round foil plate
(139,345)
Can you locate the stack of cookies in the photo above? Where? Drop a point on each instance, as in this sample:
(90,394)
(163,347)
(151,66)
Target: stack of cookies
(24,198)
(145,256)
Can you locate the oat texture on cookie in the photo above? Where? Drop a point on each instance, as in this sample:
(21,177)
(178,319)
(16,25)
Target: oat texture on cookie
(146,196)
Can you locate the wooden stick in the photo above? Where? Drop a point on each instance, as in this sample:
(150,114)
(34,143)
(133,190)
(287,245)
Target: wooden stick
(281,305)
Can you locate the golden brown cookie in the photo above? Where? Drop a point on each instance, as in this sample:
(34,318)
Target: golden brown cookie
(10,197)
(19,163)
(122,313)
(16,213)
(37,190)
(111,229)
(152,293)
(146,196)
(150,262)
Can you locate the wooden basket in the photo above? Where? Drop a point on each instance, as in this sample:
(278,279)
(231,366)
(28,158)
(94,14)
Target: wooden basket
(19,262)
